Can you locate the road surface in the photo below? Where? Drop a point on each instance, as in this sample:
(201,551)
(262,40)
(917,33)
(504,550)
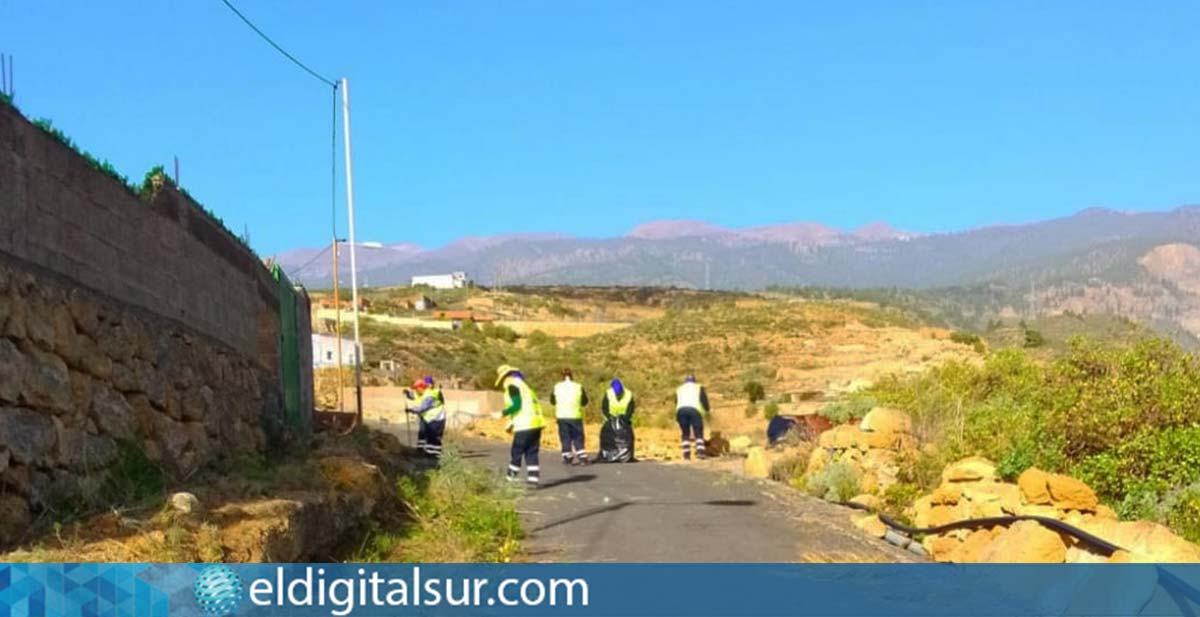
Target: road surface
(675,512)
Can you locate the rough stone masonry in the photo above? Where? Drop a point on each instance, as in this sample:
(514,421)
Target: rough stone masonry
(125,325)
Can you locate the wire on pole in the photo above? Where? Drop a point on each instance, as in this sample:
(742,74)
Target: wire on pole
(328,82)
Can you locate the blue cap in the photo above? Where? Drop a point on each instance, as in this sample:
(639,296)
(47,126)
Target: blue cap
(429,380)
(690,379)
(618,387)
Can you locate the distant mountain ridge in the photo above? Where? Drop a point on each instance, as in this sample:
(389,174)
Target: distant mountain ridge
(1144,265)
(676,253)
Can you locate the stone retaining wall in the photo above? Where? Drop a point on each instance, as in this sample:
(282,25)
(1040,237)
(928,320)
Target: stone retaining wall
(125,326)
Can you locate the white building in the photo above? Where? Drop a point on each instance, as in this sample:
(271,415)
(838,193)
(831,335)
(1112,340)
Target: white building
(454,280)
(324,351)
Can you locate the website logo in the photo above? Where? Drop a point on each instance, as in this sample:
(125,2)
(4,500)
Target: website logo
(219,590)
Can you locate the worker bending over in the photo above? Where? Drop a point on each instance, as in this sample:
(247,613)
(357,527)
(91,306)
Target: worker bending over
(431,413)
(569,399)
(525,421)
(691,407)
(616,435)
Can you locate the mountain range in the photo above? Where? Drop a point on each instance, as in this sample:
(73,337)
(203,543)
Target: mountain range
(1139,265)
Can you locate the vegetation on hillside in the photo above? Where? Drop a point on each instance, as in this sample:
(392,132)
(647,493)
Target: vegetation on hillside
(1126,420)
(729,344)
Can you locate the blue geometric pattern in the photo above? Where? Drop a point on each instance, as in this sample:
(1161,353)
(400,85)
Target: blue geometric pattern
(92,590)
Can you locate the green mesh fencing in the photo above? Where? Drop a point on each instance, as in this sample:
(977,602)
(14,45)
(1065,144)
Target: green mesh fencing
(289,349)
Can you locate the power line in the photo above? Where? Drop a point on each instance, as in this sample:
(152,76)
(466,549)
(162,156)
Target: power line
(328,82)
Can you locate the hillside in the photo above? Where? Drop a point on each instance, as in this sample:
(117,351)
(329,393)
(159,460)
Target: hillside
(1141,266)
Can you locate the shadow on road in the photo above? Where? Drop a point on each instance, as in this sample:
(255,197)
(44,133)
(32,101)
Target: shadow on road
(583,477)
(625,504)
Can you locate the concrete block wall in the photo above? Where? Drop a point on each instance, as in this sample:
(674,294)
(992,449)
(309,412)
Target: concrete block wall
(123,322)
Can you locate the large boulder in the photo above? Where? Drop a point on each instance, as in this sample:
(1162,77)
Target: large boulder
(1071,494)
(1145,541)
(1025,542)
(1034,486)
(971,469)
(887,421)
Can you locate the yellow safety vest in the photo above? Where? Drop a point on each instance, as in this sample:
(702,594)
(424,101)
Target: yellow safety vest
(568,400)
(438,411)
(618,406)
(530,415)
(688,395)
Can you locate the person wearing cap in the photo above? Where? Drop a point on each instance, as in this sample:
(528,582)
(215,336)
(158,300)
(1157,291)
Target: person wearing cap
(691,407)
(431,413)
(526,422)
(569,398)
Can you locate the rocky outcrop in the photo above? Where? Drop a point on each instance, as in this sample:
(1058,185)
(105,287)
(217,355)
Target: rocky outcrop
(82,379)
(871,447)
(970,489)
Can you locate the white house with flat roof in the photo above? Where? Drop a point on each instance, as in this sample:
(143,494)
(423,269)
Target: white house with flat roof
(454,280)
(325,349)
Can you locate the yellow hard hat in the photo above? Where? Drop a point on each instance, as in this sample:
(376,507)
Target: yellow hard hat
(503,372)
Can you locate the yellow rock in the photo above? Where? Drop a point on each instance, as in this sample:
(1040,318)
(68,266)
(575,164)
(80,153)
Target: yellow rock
(1000,496)
(871,524)
(1038,510)
(946,495)
(879,440)
(1025,542)
(756,464)
(1103,511)
(971,550)
(867,500)
(972,469)
(1033,486)
(888,421)
(1146,541)
(944,515)
(941,548)
(1071,494)
(920,511)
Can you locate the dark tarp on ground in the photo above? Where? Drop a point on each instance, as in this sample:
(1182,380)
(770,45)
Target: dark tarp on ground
(778,428)
(616,441)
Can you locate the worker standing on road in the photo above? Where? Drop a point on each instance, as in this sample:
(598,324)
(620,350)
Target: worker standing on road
(616,435)
(569,399)
(525,421)
(431,412)
(691,407)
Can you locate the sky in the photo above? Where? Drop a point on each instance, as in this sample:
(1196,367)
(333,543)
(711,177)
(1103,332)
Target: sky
(587,118)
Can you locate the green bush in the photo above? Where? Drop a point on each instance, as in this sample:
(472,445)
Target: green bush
(836,482)
(755,391)
(770,410)
(1122,419)
(847,409)
(751,410)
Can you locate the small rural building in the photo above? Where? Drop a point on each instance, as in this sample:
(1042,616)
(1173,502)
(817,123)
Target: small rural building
(325,349)
(454,280)
(424,303)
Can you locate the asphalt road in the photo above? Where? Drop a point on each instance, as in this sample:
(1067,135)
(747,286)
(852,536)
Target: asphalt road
(668,512)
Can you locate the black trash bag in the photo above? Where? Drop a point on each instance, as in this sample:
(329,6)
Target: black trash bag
(780,428)
(616,441)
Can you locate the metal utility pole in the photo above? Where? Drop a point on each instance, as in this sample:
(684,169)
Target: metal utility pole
(358,407)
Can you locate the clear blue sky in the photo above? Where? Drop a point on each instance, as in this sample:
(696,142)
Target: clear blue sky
(475,117)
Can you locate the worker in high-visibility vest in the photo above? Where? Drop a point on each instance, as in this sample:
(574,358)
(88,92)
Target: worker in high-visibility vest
(691,407)
(525,420)
(569,398)
(430,410)
(618,401)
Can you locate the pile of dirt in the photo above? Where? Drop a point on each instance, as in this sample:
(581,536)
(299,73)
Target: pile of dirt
(315,508)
